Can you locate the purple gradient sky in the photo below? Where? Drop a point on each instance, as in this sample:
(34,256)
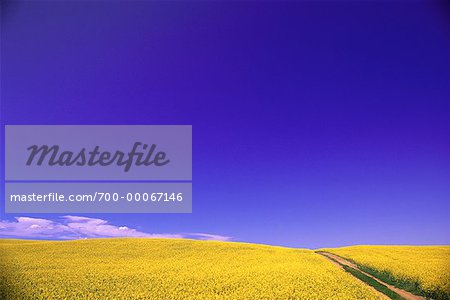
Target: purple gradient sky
(315,124)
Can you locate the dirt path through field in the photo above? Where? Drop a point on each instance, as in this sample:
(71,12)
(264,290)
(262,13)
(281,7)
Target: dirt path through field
(337,260)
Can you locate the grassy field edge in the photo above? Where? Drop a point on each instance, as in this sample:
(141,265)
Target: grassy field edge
(411,286)
(370,281)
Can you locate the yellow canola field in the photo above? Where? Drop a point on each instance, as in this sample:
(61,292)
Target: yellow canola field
(427,265)
(169,269)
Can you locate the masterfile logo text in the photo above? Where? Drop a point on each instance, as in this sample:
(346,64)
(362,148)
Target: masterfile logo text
(140,155)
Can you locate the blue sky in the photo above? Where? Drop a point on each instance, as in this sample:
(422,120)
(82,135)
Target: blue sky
(315,124)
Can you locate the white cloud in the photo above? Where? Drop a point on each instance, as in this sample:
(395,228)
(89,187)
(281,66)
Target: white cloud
(77,227)
(207,236)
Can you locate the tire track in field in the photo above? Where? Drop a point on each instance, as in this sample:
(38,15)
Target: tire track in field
(339,261)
